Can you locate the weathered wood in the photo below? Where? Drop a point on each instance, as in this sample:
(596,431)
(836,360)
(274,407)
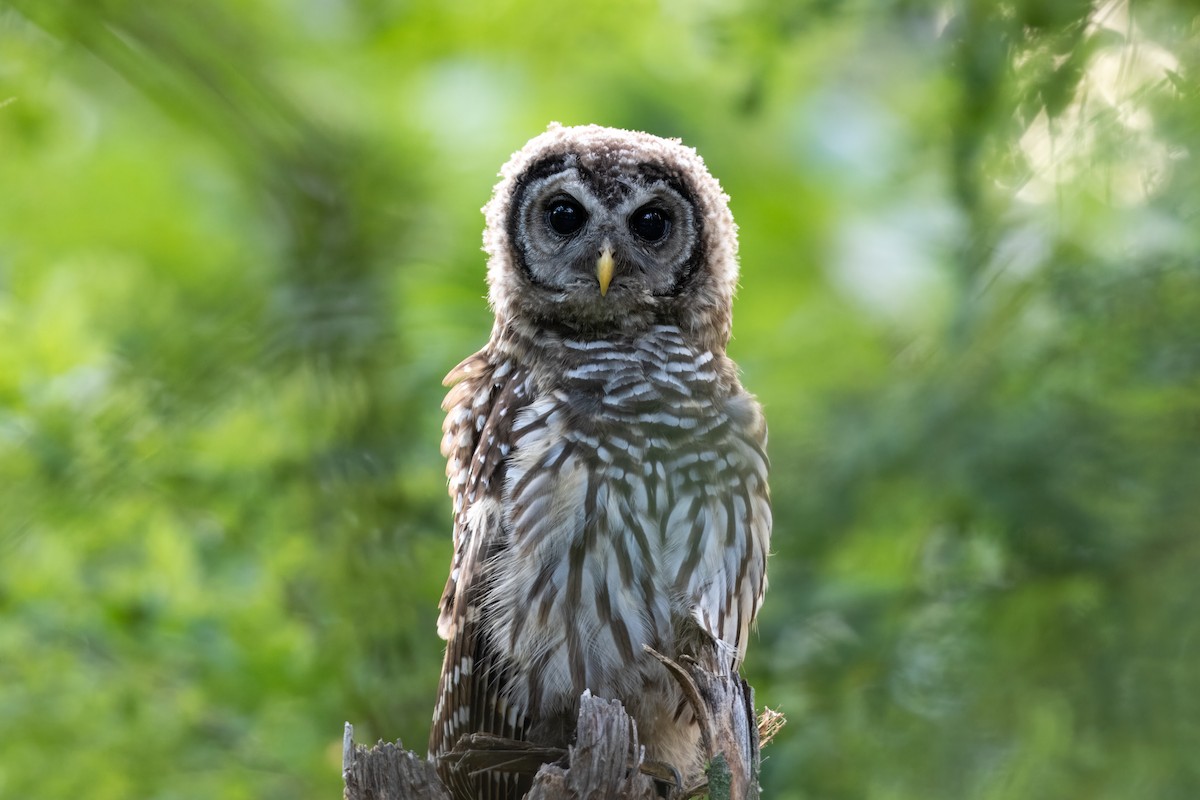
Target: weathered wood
(604,763)
(723,705)
(387,772)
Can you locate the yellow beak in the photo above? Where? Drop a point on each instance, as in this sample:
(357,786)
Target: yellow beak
(604,270)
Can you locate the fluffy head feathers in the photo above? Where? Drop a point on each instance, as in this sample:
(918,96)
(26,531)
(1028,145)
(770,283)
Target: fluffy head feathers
(538,277)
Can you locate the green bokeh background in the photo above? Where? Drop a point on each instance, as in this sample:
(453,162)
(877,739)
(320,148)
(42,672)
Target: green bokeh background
(239,248)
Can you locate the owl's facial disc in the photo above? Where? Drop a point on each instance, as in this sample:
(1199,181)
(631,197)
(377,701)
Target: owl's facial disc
(603,242)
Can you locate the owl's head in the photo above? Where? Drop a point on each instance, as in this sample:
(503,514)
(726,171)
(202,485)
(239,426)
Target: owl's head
(596,231)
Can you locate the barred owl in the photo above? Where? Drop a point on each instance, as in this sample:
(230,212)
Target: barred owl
(608,470)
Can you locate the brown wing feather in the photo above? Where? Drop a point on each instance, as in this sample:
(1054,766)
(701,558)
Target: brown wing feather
(471,699)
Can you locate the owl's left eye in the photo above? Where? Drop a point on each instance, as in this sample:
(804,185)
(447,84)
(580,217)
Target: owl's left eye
(565,216)
(650,224)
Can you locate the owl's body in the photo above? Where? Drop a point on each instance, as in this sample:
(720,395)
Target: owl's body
(607,468)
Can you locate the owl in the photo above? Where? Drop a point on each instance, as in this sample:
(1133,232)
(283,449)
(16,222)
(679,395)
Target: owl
(607,469)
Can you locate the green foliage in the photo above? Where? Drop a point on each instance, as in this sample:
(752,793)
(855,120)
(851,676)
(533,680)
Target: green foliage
(719,779)
(239,247)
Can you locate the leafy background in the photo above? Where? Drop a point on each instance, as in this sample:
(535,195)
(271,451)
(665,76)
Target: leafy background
(239,248)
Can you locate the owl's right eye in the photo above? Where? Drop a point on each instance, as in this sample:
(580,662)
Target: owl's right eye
(565,216)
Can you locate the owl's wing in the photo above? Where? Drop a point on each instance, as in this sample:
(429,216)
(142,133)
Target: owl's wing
(480,407)
(733,518)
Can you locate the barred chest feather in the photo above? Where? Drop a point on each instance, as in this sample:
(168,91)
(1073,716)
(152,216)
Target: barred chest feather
(635,510)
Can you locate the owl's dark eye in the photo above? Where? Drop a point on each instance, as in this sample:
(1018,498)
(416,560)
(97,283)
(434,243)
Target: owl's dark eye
(565,216)
(650,224)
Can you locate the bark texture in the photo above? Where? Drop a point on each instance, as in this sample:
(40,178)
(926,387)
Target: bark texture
(605,763)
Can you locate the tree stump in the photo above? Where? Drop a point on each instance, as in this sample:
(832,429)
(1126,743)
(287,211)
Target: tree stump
(604,763)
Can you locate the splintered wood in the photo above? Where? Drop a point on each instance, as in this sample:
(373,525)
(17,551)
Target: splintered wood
(605,762)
